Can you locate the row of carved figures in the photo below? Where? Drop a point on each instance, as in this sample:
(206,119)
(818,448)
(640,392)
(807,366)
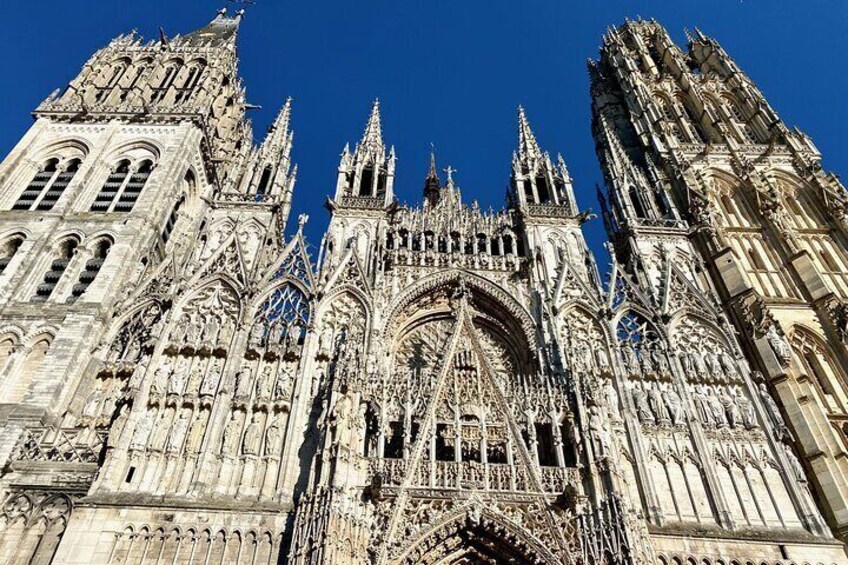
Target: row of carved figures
(706,365)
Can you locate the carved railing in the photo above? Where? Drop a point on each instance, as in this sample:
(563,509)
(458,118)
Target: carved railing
(62,445)
(245,198)
(669,223)
(362,202)
(408,257)
(472,475)
(549,210)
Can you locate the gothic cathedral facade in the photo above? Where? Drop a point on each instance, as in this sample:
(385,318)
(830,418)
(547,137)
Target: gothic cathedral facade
(181,383)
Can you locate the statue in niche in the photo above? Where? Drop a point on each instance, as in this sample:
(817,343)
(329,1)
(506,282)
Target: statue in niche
(211,379)
(142,430)
(603,360)
(178,434)
(194,328)
(231,435)
(643,409)
(728,365)
(196,369)
(177,381)
(703,405)
(138,373)
(281,386)
(342,413)
(359,427)
(659,361)
(716,409)
(118,424)
(657,403)
(257,334)
(160,432)
(686,362)
(612,401)
(213,324)
(698,364)
(252,436)
(91,409)
(162,375)
(713,366)
(275,334)
(776,419)
(598,432)
(674,405)
(195,435)
(779,345)
(273,438)
(265,382)
(731,410)
(631,361)
(795,464)
(746,411)
(242,381)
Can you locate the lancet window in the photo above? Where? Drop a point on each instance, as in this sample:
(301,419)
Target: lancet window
(92,267)
(47,185)
(123,186)
(8,250)
(62,255)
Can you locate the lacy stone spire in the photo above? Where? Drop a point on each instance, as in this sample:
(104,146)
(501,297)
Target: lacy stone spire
(438,384)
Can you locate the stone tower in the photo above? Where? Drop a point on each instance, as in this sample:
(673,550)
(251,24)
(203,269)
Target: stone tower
(697,161)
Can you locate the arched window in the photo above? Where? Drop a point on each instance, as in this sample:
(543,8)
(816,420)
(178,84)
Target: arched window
(366,179)
(92,267)
(542,190)
(172,220)
(62,256)
(8,249)
(195,70)
(47,185)
(818,364)
(166,80)
(122,187)
(264,181)
(638,209)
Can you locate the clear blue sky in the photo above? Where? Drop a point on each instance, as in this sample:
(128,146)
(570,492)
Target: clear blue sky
(447,71)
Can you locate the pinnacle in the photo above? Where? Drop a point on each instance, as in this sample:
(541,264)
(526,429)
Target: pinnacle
(373,136)
(527,145)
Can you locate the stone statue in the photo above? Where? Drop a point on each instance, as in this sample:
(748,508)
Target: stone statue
(178,434)
(242,381)
(195,435)
(643,409)
(779,345)
(713,366)
(686,362)
(252,436)
(612,400)
(598,432)
(231,435)
(705,413)
(142,430)
(746,411)
(776,419)
(794,464)
(273,438)
(658,405)
(631,361)
(731,410)
(342,414)
(177,381)
(210,381)
(92,404)
(728,365)
(717,410)
(603,360)
(674,405)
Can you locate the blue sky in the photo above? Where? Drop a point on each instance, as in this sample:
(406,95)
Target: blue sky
(449,72)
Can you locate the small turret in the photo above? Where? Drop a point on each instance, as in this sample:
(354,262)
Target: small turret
(366,176)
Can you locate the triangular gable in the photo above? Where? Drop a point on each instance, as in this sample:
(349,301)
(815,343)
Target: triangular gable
(571,286)
(678,292)
(624,290)
(226,259)
(294,263)
(349,272)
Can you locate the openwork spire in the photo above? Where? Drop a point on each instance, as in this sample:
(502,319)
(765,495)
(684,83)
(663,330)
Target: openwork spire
(528,147)
(372,139)
(432,185)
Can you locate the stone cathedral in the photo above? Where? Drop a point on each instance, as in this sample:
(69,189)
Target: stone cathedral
(439,384)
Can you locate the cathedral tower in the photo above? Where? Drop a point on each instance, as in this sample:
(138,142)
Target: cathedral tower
(697,161)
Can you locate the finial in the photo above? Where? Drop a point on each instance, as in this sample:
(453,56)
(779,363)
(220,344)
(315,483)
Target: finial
(432,172)
(373,136)
(449,171)
(301,222)
(527,145)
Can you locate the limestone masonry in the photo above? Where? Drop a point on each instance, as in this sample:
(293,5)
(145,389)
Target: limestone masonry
(439,384)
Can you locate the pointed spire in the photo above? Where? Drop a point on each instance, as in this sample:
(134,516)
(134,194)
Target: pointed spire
(432,185)
(527,144)
(372,138)
(222,31)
